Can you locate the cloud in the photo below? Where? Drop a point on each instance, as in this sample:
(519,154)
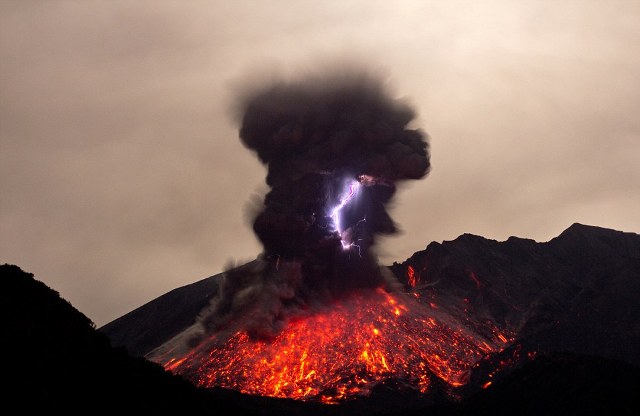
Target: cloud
(126,178)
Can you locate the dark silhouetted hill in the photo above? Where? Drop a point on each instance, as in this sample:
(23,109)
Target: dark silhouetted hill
(562,384)
(55,362)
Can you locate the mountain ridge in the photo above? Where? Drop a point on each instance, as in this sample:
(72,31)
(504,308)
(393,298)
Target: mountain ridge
(497,278)
(575,316)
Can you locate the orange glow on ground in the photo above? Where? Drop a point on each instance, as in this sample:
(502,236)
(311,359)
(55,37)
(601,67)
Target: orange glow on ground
(341,352)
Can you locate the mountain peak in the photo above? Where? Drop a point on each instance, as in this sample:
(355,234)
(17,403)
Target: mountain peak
(601,240)
(578,228)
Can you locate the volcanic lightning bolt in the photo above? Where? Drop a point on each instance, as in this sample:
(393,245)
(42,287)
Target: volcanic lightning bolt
(354,187)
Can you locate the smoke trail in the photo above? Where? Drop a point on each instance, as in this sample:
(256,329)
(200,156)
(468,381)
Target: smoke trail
(335,147)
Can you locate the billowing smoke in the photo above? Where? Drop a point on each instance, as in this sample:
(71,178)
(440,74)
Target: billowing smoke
(335,148)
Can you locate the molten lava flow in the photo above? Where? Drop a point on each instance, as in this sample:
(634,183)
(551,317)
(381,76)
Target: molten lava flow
(411,276)
(341,352)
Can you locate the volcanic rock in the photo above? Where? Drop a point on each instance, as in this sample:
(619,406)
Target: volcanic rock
(578,292)
(569,307)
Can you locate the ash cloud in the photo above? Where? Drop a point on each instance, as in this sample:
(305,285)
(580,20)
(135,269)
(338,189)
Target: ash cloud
(317,137)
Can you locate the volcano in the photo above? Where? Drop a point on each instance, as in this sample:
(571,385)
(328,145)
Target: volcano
(342,352)
(315,318)
(78,371)
(455,319)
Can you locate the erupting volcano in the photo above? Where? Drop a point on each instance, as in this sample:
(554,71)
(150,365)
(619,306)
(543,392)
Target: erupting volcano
(315,317)
(342,352)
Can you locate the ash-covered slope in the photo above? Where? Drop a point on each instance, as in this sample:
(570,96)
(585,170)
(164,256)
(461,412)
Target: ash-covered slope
(148,326)
(57,362)
(578,292)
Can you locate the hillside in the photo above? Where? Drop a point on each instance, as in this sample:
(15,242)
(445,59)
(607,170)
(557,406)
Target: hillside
(577,292)
(570,303)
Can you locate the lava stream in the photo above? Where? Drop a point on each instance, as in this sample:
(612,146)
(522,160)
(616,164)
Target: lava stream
(340,353)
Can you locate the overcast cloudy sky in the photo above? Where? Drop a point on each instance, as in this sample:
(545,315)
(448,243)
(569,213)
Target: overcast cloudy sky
(122,177)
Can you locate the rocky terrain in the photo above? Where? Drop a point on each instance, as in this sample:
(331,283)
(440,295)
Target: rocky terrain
(570,308)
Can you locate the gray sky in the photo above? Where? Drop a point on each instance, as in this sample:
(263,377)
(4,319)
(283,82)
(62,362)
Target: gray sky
(122,177)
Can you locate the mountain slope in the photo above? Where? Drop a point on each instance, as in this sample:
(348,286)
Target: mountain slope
(56,362)
(148,326)
(577,292)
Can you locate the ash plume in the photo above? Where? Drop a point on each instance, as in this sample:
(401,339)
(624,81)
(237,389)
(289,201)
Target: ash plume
(335,147)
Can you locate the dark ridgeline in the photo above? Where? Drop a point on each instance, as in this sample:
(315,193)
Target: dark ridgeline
(56,362)
(577,292)
(572,301)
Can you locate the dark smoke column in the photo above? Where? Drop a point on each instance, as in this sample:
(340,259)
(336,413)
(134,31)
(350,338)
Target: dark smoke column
(317,137)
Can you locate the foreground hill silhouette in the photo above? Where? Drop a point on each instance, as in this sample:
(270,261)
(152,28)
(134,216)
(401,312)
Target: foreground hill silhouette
(55,362)
(59,362)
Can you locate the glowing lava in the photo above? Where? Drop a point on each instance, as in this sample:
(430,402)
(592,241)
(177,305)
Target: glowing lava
(411,276)
(341,352)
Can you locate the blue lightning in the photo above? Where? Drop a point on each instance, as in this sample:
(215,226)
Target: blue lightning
(354,186)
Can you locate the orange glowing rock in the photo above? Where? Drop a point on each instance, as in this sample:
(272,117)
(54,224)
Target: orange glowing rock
(340,352)
(411,276)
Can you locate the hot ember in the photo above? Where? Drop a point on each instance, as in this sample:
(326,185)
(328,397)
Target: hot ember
(341,352)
